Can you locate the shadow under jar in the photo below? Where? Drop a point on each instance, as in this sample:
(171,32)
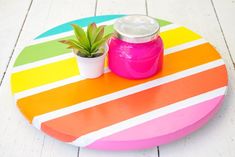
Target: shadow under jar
(136,50)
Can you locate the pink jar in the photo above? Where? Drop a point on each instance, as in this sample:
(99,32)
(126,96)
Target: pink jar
(136,50)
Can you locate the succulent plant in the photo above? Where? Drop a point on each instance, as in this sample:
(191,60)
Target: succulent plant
(88,43)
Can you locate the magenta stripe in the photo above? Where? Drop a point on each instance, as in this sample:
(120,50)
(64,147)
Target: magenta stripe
(171,127)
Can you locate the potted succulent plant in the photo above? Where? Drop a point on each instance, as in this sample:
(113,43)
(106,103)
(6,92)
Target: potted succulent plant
(91,48)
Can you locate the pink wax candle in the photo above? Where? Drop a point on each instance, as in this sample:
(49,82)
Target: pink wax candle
(136,50)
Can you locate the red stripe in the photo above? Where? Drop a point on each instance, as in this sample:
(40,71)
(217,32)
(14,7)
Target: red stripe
(70,127)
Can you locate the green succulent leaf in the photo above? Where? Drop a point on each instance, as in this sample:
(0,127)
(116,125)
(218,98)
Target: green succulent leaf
(76,45)
(81,36)
(91,32)
(98,34)
(99,43)
(72,43)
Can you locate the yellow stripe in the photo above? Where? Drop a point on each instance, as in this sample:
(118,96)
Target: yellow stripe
(178,36)
(44,74)
(60,70)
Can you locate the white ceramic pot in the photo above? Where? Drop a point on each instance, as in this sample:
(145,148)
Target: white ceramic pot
(92,67)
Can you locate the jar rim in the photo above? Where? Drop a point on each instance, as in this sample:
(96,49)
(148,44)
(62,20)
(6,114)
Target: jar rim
(141,28)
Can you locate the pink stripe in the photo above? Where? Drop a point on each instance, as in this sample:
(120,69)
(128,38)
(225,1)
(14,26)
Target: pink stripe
(172,126)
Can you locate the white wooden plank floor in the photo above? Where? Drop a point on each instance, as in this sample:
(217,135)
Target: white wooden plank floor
(20,21)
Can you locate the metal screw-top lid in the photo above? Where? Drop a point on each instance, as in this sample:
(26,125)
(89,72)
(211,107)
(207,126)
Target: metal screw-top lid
(136,28)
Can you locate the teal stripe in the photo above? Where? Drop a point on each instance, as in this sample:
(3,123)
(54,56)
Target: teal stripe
(81,22)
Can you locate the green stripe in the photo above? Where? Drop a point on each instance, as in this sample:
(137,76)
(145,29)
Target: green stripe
(163,22)
(52,48)
(46,50)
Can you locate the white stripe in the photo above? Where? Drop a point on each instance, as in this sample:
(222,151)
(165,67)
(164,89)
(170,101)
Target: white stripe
(97,101)
(89,138)
(67,81)
(43,62)
(53,85)
(185,46)
(169,27)
(65,34)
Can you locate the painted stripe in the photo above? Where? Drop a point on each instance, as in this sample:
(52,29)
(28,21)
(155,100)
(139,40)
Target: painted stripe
(175,62)
(118,110)
(41,51)
(172,119)
(173,39)
(81,22)
(178,36)
(122,93)
(46,87)
(44,74)
(51,48)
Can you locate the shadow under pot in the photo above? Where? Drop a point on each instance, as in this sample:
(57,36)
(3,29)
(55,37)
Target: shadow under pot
(136,50)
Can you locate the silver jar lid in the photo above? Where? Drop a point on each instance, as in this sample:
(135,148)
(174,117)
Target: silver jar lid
(136,28)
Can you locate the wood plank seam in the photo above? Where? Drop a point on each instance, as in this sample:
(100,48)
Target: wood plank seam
(221,29)
(78,151)
(146,6)
(158,151)
(43,143)
(96,3)
(17,39)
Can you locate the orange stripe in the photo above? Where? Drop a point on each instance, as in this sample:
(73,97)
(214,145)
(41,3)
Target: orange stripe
(133,105)
(87,89)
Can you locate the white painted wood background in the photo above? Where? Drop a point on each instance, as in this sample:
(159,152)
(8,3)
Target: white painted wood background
(22,20)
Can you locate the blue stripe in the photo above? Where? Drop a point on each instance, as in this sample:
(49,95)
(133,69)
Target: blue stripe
(81,22)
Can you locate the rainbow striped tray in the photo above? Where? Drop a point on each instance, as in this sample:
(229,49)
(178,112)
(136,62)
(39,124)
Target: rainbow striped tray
(115,113)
